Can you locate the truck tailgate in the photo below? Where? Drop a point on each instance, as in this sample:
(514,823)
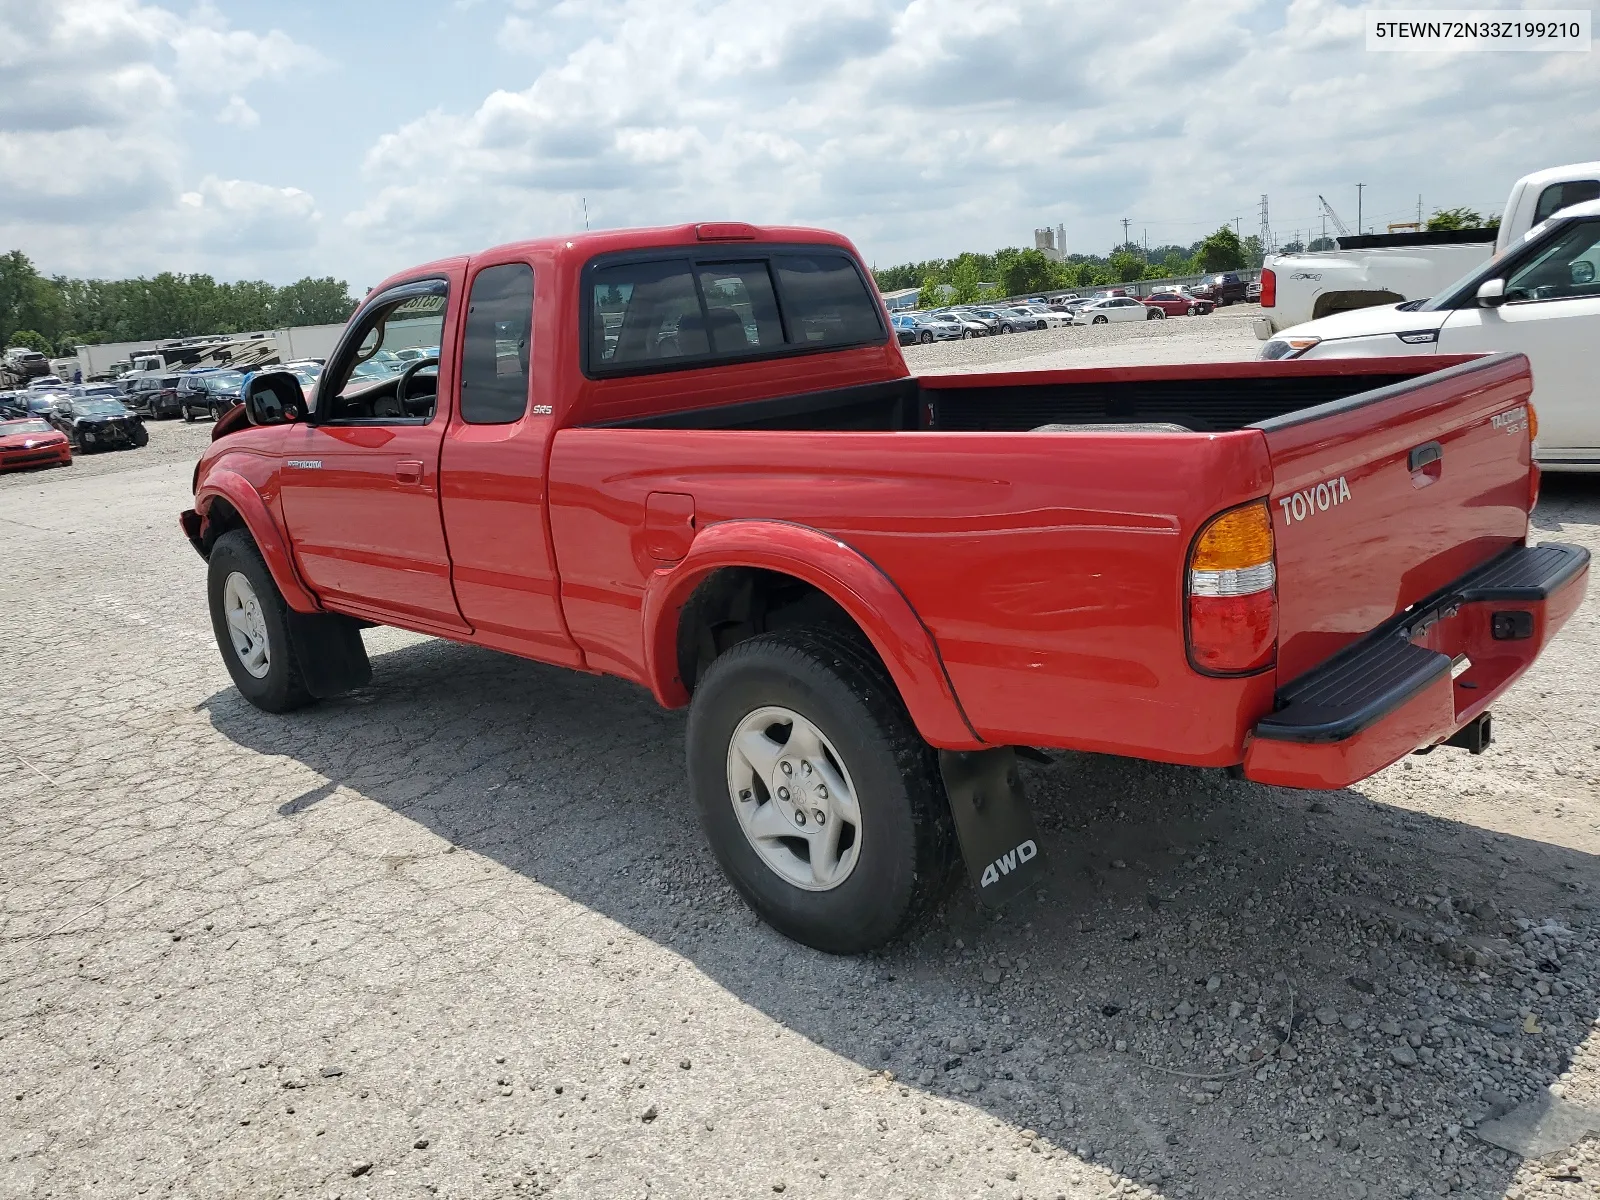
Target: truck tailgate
(1381,499)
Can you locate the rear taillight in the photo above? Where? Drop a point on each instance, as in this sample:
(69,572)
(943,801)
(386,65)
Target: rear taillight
(1269,288)
(1232,594)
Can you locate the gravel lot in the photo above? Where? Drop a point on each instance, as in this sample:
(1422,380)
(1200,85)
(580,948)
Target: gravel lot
(457,934)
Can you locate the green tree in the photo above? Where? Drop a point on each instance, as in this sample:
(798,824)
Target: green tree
(931,294)
(1254,252)
(31,339)
(313,302)
(17,280)
(1322,243)
(964,279)
(1126,266)
(1221,251)
(1295,247)
(1455,218)
(1029,271)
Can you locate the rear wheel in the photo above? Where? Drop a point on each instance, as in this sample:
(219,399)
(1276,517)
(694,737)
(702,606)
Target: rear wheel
(1005,329)
(188,416)
(1101,320)
(141,436)
(249,619)
(1155,314)
(821,802)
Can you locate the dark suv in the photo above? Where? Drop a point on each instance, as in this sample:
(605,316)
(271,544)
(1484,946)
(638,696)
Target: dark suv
(208,393)
(155,396)
(1221,289)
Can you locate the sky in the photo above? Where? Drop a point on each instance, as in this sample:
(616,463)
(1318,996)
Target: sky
(354,138)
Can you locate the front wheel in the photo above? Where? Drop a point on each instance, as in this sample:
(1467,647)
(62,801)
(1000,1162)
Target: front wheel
(925,337)
(1101,320)
(821,802)
(141,436)
(965,334)
(250,622)
(1005,329)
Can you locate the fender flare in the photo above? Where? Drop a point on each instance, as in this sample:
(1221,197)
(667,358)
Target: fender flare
(845,575)
(252,509)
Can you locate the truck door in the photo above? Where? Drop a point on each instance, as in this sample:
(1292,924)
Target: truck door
(1552,314)
(360,480)
(493,471)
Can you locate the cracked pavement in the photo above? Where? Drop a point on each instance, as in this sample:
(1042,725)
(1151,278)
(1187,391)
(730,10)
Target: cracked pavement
(457,934)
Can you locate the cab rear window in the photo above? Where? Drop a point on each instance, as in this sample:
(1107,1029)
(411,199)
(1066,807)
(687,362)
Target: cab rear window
(671,313)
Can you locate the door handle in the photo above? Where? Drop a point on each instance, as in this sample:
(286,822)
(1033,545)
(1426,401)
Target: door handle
(409,471)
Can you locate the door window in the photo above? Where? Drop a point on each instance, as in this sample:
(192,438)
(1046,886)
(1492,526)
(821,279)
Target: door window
(496,345)
(1568,267)
(1564,195)
(365,384)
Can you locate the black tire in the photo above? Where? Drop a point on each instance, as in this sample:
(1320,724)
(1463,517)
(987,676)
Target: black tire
(925,337)
(1192,310)
(907,849)
(1005,329)
(141,436)
(188,417)
(283,688)
(965,334)
(1155,314)
(1100,320)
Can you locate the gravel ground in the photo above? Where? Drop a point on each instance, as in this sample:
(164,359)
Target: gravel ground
(457,935)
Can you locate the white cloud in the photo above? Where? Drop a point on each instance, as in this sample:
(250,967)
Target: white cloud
(237,112)
(927,127)
(94,165)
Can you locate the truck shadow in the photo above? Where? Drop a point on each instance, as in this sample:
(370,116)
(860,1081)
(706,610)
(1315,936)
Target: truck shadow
(1184,914)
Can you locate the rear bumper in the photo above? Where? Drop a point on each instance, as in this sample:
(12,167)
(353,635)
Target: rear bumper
(1398,688)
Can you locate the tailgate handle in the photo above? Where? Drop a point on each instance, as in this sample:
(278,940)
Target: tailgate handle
(1427,464)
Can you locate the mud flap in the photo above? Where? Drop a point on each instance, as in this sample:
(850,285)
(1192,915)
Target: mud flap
(333,658)
(993,821)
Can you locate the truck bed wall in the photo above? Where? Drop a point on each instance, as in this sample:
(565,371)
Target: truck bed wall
(1226,397)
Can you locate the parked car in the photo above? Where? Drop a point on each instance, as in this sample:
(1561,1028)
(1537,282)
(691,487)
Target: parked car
(1062,300)
(13,404)
(1051,318)
(904,333)
(1001,320)
(1540,298)
(943,569)
(46,383)
(83,391)
(155,396)
(1115,308)
(929,328)
(1252,291)
(968,317)
(1222,289)
(99,423)
(1179,304)
(32,442)
(208,393)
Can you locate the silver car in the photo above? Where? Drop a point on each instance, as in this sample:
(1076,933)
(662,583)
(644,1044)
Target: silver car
(928,328)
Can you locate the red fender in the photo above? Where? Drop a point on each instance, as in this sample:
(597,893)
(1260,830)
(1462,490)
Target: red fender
(850,579)
(247,502)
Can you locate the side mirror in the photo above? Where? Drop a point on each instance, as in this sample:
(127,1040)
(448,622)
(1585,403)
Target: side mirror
(274,398)
(1581,271)
(1492,293)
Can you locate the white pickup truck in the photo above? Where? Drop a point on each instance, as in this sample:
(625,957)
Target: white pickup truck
(1539,296)
(1385,269)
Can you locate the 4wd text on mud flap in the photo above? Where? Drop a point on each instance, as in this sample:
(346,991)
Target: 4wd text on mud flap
(1008,862)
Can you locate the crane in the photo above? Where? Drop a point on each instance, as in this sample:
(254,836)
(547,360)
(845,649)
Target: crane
(1337,223)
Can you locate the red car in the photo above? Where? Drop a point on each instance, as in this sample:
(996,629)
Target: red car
(32,442)
(1179,304)
(700,464)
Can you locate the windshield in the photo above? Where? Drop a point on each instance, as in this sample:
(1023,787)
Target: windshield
(99,408)
(103,390)
(12,428)
(222,381)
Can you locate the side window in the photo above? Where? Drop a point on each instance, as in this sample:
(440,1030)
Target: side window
(1564,195)
(495,349)
(825,301)
(741,313)
(1566,268)
(363,384)
(644,314)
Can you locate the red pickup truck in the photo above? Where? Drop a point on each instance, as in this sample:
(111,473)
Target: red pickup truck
(694,458)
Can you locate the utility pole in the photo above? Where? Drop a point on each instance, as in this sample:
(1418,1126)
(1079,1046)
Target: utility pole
(1237,231)
(585,214)
(1419,210)
(1266,227)
(1360,187)
(1125,223)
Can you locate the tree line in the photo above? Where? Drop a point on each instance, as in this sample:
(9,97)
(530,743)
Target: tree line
(1015,272)
(54,314)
